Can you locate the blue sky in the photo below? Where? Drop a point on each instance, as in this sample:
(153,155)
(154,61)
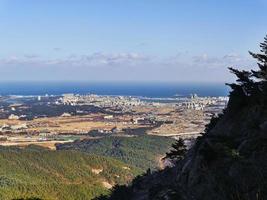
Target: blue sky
(128,40)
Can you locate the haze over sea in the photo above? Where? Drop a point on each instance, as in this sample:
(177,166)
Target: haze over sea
(151,89)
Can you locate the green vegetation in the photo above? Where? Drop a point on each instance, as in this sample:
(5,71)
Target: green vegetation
(178,152)
(251,86)
(35,172)
(140,151)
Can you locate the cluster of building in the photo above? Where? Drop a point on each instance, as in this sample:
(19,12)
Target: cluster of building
(16,117)
(199,103)
(16,127)
(98,100)
(126,102)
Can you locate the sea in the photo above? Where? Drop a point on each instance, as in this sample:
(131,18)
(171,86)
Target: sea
(138,89)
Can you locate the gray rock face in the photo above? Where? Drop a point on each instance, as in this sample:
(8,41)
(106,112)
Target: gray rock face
(228,162)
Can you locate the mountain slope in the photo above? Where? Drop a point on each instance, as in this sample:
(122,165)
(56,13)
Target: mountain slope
(141,151)
(36,172)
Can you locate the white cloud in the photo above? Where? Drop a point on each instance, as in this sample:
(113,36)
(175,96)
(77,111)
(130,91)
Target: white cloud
(95,59)
(121,66)
(227,60)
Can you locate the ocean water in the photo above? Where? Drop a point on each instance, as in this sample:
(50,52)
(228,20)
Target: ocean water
(160,90)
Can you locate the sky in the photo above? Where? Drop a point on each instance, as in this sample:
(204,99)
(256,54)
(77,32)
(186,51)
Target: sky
(128,40)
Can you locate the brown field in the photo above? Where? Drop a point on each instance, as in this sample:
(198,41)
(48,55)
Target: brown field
(72,124)
(182,122)
(46,144)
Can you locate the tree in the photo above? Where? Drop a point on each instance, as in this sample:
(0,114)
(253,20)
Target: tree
(178,151)
(244,81)
(251,84)
(261,74)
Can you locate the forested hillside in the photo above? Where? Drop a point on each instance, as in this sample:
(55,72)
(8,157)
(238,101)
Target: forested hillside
(141,151)
(37,172)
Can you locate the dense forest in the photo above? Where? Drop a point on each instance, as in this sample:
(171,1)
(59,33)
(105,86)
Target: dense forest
(41,173)
(80,170)
(143,151)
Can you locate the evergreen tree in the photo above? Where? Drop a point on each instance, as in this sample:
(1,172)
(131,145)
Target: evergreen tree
(251,83)
(244,81)
(178,151)
(261,74)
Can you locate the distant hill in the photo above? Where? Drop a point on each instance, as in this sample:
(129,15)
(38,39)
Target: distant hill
(141,151)
(37,172)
